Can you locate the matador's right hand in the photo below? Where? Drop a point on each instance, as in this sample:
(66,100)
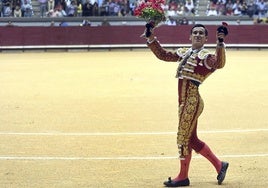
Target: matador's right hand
(149,29)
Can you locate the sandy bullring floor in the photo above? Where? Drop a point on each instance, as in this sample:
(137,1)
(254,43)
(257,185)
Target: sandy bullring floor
(109,119)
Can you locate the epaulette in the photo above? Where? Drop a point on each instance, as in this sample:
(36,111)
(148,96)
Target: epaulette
(182,51)
(203,54)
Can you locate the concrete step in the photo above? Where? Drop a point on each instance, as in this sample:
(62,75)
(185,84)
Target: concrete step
(202,8)
(36,8)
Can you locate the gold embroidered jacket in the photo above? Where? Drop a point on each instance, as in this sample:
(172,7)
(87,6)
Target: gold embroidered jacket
(197,67)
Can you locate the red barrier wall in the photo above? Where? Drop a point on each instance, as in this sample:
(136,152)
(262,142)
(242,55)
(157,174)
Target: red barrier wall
(25,36)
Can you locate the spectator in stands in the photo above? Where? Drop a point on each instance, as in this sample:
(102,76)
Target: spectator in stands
(183,21)
(180,9)
(212,10)
(17,12)
(222,1)
(116,9)
(131,8)
(171,11)
(26,8)
(252,9)
(43,7)
(111,8)
(124,8)
(71,9)
(171,21)
(50,5)
(6,8)
(127,6)
(87,9)
(68,2)
(189,8)
(95,9)
(55,3)
(79,8)
(244,8)
(262,7)
(237,8)
(63,4)
(220,7)
(57,11)
(172,8)
(15,3)
(229,8)
(104,8)
(172,4)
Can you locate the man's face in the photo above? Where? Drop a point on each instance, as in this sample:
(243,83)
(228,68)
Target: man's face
(198,37)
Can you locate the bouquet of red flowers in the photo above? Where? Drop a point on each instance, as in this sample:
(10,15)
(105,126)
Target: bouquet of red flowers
(151,11)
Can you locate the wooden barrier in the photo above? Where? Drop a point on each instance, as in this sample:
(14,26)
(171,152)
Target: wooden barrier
(122,35)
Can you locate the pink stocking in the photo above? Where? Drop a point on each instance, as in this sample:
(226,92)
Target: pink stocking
(207,153)
(185,164)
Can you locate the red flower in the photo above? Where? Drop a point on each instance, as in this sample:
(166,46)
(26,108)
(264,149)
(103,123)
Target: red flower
(151,10)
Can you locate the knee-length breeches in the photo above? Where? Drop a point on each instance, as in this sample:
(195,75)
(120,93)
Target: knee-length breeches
(190,107)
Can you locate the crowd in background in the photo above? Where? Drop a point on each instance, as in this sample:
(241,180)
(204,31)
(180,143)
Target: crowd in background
(251,8)
(16,8)
(66,8)
(76,8)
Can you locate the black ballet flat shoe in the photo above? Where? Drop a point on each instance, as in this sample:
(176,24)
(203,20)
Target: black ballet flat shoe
(181,183)
(222,173)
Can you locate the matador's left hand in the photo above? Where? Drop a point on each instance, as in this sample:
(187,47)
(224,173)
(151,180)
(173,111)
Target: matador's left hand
(220,37)
(222,32)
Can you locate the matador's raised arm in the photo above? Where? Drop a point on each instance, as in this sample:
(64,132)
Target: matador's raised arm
(217,61)
(160,52)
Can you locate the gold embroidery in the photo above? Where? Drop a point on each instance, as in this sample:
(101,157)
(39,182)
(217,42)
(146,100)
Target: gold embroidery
(182,51)
(188,69)
(203,53)
(189,110)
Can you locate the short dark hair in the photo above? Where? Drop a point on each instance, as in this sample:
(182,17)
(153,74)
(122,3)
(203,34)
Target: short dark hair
(200,25)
